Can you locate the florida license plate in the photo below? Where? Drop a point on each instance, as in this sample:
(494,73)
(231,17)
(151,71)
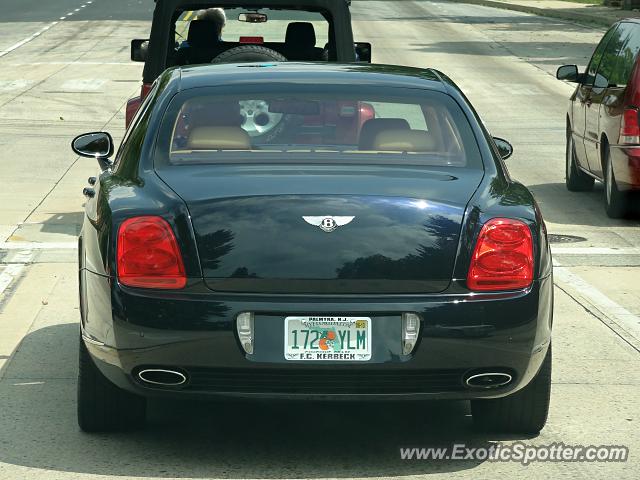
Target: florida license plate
(327,338)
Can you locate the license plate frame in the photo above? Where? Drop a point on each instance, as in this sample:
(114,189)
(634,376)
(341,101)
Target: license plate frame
(350,341)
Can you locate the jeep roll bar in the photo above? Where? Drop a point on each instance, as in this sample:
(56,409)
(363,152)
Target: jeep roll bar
(156,61)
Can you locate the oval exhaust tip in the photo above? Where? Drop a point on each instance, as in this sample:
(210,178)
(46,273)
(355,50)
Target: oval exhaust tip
(488,380)
(161,376)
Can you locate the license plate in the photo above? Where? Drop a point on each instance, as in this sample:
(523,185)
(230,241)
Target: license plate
(327,338)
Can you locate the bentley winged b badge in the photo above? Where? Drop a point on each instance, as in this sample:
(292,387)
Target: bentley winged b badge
(328,223)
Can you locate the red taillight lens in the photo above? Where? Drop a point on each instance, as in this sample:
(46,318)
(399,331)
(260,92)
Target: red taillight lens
(503,257)
(148,255)
(630,126)
(145,89)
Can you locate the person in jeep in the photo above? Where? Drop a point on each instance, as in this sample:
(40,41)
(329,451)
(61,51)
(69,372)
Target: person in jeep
(217,17)
(204,39)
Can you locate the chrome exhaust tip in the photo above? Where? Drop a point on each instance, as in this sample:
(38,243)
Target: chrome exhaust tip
(488,380)
(161,376)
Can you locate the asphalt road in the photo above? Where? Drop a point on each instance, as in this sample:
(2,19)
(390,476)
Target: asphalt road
(64,76)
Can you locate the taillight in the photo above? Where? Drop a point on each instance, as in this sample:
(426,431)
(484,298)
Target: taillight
(148,255)
(145,89)
(503,257)
(630,127)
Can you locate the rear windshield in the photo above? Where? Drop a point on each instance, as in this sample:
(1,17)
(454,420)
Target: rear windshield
(202,35)
(203,126)
(272,29)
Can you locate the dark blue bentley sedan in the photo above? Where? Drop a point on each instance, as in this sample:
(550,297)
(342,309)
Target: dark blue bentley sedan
(290,230)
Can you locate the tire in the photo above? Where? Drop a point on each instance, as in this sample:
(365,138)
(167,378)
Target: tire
(616,203)
(255,53)
(103,407)
(249,53)
(576,179)
(523,412)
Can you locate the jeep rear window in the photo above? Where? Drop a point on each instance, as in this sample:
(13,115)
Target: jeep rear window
(273,30)
(308,125)
(308,38)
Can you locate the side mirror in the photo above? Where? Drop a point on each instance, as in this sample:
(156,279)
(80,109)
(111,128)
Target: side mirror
(504,148)
(363,52)
(98,145)
(568,73)
(139,50)
(253,17)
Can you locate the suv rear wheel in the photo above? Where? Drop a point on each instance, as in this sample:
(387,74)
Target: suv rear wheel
(576,179)
(522,412)
(615,202)
(103,407)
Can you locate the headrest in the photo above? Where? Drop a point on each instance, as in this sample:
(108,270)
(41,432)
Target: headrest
(404,141)
(216,114)
(202,33)
(371,128)
(301,35)
(218,138)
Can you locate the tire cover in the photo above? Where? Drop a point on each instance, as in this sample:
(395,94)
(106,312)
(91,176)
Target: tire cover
(249,53)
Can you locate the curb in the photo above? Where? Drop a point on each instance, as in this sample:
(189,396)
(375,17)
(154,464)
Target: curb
(546,12)
(623,323)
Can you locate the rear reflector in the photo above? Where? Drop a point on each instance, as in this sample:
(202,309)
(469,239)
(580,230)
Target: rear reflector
(148,255)
(503,257)
(630,127)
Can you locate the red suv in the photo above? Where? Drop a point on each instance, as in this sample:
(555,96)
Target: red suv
(603,120)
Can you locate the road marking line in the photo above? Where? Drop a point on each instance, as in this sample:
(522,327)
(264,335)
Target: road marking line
(38,246)
(83,84)
(594,251)
(601,306)
(10,85)
(27,40)
(23,64)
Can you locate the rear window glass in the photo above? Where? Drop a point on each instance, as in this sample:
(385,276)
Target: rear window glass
(274,29)
(203,35)
(416,127)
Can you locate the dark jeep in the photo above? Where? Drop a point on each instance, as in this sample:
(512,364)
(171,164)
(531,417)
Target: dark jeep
(256,31)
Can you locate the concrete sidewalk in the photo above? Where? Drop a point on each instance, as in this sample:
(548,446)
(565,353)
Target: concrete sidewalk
(576,12)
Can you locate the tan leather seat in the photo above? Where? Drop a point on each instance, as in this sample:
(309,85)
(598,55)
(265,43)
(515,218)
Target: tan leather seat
(401,140)
(218,138)
(371,128)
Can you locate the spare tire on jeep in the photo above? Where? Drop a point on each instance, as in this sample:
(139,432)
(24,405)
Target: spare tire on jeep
(249,53)
(263,126)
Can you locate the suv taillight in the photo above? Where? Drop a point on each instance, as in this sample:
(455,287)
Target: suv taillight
(503,257)
(148,255)
(630,127)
